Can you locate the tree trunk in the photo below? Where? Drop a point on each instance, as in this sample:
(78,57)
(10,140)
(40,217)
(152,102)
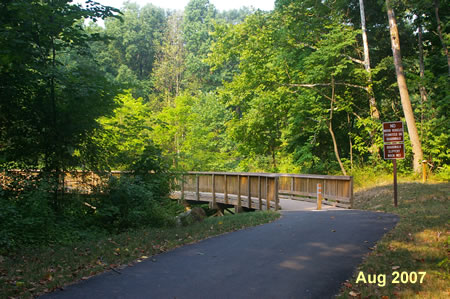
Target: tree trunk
(404,95)
(423,92)
(330,128)
(439,29)
(374,113)
(350,140)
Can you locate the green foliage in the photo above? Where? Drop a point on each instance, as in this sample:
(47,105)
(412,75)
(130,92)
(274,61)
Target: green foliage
(282,93)
(132,202)
(192,133)
(170,66)
(296,72)
(443,173)
(50,86)
(27,217)
(135,39)
(125,134)
(235,16)
(279,91)
(198,22)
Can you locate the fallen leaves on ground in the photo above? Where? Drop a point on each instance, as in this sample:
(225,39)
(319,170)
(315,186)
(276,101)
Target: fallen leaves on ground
(348,284)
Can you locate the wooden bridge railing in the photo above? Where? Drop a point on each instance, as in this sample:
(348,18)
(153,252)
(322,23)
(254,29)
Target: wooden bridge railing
(77,181)
(259,191)
(263,190)
(336,190)
(250,190)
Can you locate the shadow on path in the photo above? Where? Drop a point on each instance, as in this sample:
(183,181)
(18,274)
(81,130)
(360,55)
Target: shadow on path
(305,254)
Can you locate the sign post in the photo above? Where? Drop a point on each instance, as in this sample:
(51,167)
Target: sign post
(394,148)
(394,163)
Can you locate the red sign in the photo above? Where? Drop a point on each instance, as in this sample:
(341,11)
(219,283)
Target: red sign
(394,151)
(393,132)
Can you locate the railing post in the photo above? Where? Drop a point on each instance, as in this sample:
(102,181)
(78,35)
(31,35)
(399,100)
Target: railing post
(324,189)
(351,192)
(259,193)
(292,187)
(182,187)
(307,186)
(197,189)
(276,194)
(214,190)
(249,194)
(226,190)
(267,195)
(239,191)
(336,191)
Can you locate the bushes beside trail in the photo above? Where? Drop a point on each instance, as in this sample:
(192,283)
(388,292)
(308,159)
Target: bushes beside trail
(33,216)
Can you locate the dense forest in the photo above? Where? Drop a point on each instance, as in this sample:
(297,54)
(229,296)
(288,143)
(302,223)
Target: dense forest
(290,90)
(300,89)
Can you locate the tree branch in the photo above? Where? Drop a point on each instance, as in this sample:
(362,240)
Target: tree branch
(354,59)
(326,84)
(359,61)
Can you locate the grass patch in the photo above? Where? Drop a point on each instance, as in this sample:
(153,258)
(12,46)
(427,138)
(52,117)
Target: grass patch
(365,178)
(419,242)
(36,271)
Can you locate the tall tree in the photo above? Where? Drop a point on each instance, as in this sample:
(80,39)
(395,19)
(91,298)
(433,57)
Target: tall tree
(284,72)
(135,41)
(439,30)
(125,135)
(423,92)
(198,22)
(51,90)
(404,94)
(170,65)
(375,114)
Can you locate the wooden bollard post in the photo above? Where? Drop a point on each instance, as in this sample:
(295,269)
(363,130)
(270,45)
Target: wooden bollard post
(319,196)
(424,171)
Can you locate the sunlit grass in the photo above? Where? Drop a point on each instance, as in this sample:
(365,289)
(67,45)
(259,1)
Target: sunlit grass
(35,271)
(419,242)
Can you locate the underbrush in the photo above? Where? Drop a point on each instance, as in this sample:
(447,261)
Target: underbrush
(368,177)
(32,216)
(419,243)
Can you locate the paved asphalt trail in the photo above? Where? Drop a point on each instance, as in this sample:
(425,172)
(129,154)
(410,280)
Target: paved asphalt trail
(305,254)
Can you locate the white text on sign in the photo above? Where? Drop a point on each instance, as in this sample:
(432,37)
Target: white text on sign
(393,132)
(394,151)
